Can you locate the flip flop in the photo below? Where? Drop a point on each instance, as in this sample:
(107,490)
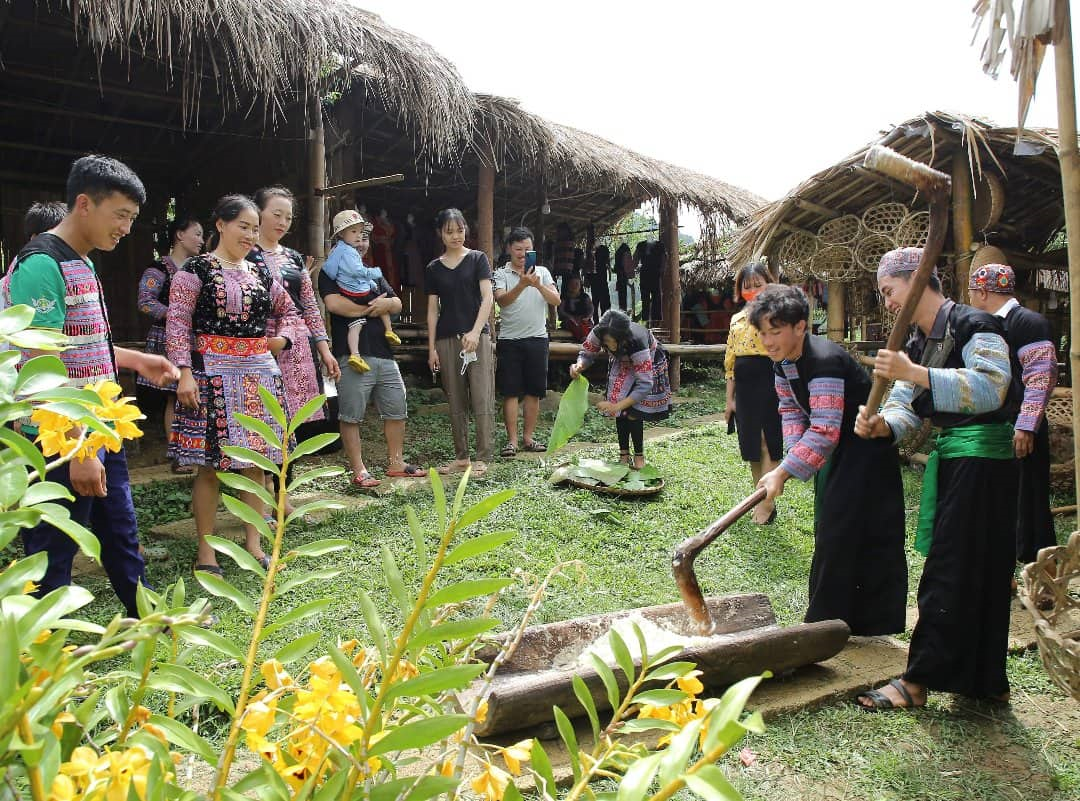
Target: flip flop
(509,452)
(365,480)
(882,702)
(213,570)
(409,471)
(534,447)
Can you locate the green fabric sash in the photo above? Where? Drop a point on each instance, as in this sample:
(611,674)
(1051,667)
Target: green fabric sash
(820,479)
(985,440)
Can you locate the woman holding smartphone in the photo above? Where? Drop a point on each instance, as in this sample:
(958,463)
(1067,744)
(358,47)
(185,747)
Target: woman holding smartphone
(459,342)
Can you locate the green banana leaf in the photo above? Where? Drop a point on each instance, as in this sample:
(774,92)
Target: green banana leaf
(571,414)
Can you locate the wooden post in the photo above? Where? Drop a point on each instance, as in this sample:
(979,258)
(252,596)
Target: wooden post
(671,283)
(316,181)
(835,311)
(1069,158)
(963,221)
(538,229)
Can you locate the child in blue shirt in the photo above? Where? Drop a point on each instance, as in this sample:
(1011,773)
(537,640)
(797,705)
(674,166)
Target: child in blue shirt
(357,282)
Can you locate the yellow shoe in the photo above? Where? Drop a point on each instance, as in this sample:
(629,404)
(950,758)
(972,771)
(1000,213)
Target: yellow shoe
(392,338)
(358,364)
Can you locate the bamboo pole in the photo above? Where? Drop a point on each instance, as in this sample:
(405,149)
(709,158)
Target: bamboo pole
(316,181)
(671,294)
(1069,158)
(963,203)
(485,221)
(835,311)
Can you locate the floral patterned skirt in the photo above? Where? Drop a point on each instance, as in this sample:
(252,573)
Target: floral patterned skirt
(228,384)
(155,343)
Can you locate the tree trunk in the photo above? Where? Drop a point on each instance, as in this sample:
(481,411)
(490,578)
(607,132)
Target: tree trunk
(671,284)
(963,223)
(835,311)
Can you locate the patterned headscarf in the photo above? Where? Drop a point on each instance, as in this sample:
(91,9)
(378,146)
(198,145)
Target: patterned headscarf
(998,278)
(901,260)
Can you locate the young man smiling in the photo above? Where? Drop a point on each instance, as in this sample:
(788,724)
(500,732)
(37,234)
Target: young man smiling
(858,573)
(55,276)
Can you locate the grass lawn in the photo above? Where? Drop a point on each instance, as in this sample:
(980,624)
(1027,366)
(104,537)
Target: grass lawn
(961,751)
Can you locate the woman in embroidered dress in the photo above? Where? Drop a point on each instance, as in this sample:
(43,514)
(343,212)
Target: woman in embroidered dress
(183,239)
(638,388)
(751,391)
(303,324)
(222,304)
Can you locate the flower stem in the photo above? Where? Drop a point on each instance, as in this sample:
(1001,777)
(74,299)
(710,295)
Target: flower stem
(37,784)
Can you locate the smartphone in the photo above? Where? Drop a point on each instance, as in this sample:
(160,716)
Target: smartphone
(530,261)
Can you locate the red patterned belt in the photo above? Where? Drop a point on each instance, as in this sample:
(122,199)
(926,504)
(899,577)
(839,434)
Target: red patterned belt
(231,346)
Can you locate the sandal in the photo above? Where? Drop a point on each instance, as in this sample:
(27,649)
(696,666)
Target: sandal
(535,447)
(365,480)
(478,469)
(182,469)
(882,703)
(408,471)
(213,570)
(453,467)
(510,451)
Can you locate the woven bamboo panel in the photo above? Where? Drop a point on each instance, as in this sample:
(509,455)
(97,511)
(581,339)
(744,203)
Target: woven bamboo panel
(870,249)
(885,218)
(911,233)
(840,230)
(1051,594)
(835,263)
(1062,440)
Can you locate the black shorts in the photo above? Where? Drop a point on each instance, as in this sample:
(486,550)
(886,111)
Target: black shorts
(522,367)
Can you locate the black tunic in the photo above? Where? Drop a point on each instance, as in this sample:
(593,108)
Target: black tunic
(859,571)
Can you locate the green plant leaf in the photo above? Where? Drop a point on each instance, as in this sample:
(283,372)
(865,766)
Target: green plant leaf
(566,732)
(659,697)
(607,675)
(24,448)
(41,374)
(464,590)
(730,708)
(196,684)
(314,506)
(454,677)
(584,696)
(305,412)
(606,473)
(42,491)
(438,492)
(301,612)
(243,559)
(393,580)
(60,517)
(81,397)
(298,648)
(213,640)
(512,793)
(28,568)
(753,722)
(479,511)
(215,585)
(350,675)
(710,783)
(316,443)
(47,612)
(635,783)
(478,545)
(13,484)
(682,746)
(672,670)
(319,548)
(541,765)
(16,318)
(417,532)
(622,654)
(459,495)
(571,414)
(453,630)
(237,508)
(314,475)
(270,402)
(417,788)
(306,578)
(419,733)
(375,627)
(253,456)
(242,483)
(260,427)
(179,734)
(561,474)
(265,784)
(647,724)
(38,339)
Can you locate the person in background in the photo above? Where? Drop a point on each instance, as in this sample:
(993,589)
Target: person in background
(859,571)
(40,217)
(183,239)
(954,371)
(638,387)
(460,299)
(53,275)
(576,309)
(355,281)
(524,295)
(751,388)
(598,281)
(992,289)
(220,308)
(624,274)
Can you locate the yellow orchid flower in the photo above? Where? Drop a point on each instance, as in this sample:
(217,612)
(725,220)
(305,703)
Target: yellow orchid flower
(690,684)
(514,755)
(492,783)
(63,789)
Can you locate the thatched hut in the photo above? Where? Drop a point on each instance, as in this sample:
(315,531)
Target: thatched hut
(1006,192)
(200,98)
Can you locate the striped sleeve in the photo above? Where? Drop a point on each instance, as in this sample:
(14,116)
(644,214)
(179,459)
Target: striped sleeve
(793,421)
(1039,364)
(643,375)
(590,350)
(898,412)
(980,386)
(820,438)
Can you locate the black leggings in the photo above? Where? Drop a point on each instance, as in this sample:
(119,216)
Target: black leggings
(628,428)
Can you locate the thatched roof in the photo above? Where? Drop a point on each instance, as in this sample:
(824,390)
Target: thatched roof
(253,58)
(505,132)
(1033,213)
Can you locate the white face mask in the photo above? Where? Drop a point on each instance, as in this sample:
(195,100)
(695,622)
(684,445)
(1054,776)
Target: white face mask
(467,358)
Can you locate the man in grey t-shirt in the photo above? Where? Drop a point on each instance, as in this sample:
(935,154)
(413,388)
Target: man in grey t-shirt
(522,347)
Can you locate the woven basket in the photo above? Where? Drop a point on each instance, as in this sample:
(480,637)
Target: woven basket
(1052,581)
(911,233)
(884,218)
(797,252)
(1062,438)
(840,230)
(834,263)
(870,249)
